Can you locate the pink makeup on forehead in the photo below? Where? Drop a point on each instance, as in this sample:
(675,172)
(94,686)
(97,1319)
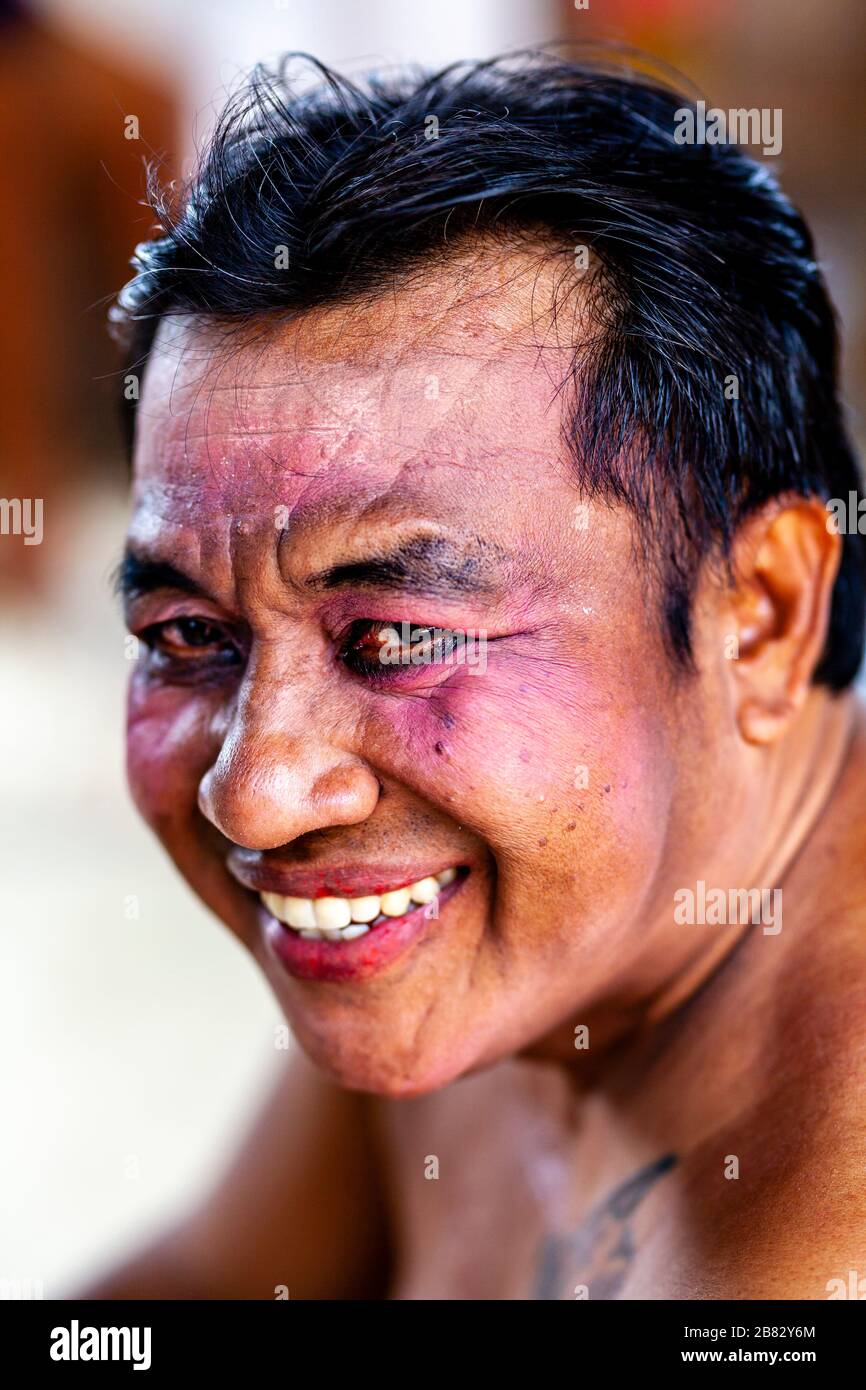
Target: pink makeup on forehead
(326,467)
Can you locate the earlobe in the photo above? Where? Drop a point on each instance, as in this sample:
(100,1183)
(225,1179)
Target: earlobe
(785,560)
(762,722)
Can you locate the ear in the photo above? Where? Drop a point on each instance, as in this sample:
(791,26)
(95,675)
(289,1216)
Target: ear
(785,562)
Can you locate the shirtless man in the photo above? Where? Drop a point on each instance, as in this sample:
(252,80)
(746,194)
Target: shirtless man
(480,534)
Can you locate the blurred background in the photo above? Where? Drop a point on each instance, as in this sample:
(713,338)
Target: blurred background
(136,1038)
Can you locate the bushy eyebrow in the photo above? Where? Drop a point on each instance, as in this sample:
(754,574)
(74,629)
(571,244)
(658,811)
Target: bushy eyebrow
(427,566)
(430,566)
(137,575)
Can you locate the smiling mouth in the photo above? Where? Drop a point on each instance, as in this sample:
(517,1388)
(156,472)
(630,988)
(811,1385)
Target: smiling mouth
(346,919)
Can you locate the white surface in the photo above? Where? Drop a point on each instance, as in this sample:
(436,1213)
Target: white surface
(204,44)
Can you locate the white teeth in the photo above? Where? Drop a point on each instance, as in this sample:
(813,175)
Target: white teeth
(298,912)
(356,929)
(274,903)
(364,909)
(395,904)
(295,912)
(345,919)
(424,891)
(332,912)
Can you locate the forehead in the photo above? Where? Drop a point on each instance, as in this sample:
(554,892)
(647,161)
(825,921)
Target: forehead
(439,396)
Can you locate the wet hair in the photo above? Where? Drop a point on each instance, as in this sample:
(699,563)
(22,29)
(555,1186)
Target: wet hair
(708,384)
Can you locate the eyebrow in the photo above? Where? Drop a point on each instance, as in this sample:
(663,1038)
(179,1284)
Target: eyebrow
(137,575)
(431,566)
(427,566)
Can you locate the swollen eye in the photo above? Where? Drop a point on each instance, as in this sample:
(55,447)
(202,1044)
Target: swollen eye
(385,648)
(373,642)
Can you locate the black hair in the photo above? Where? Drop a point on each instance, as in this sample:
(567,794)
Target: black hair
(703,274)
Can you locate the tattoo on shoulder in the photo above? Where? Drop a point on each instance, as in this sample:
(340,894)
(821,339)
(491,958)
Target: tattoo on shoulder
(597,1255)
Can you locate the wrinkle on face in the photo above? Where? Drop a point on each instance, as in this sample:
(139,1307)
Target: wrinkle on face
(319,444)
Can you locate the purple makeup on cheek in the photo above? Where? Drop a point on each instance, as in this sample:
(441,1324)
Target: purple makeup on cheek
(468,726)
(168,748)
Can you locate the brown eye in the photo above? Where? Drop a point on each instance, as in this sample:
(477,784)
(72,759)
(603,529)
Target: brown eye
(190,644)
(190,632)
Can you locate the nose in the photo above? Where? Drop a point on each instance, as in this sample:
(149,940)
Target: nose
(279,775)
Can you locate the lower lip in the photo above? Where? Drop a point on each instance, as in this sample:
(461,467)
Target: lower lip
(340,961)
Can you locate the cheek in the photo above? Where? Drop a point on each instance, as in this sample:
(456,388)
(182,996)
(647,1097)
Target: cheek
(169,747)
(565,774)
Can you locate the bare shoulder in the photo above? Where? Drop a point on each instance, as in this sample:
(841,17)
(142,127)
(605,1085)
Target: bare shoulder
(302,1198)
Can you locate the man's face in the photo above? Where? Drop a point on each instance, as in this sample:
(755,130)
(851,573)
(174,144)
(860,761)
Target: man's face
(318,486)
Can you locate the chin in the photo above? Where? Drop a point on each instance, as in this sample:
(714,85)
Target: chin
(393,1063)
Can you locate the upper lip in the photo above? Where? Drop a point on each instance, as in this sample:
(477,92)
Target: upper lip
(331,880)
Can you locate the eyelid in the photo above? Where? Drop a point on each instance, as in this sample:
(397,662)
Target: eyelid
(149,610)
(339,611)
(399,670)
(404,627)
(223,641)
(187,618)
(155,630)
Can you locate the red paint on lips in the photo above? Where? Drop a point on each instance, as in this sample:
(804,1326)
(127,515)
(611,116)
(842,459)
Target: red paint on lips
(344,961)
